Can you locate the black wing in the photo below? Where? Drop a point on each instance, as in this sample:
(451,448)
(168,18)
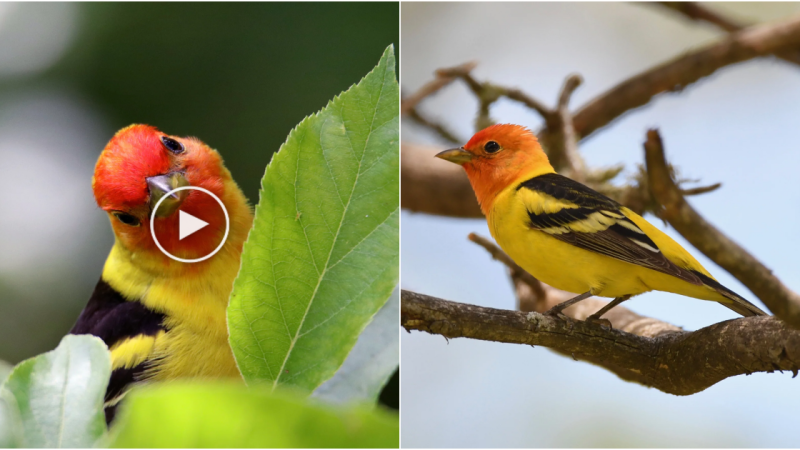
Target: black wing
(589,220)
(113,319)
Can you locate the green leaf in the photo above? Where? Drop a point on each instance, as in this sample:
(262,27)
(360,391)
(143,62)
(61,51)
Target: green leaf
(57,396)
(372,361)
(323,255)
(226,415)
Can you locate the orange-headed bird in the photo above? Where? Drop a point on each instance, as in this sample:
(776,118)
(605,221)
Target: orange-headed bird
(161,318)
(572,237)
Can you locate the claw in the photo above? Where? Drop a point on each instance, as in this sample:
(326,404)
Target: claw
(599,321)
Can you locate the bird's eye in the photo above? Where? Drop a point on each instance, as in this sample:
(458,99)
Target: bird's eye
(172,145)
(491,147)
(126,218)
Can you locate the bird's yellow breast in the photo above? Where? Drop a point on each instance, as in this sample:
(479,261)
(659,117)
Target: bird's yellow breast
(196,343)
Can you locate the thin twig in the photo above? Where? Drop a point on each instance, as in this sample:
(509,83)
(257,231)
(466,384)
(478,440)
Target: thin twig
(698,12)
(442,79)
(700,190)
(437,127)
(563,151)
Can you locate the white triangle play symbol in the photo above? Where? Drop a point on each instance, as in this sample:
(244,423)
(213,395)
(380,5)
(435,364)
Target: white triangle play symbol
(188,224)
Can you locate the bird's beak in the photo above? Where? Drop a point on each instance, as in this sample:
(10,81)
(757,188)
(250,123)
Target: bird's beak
(456,155)
(159,187)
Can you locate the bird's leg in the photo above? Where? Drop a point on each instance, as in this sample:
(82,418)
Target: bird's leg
(596,316)
(556,310)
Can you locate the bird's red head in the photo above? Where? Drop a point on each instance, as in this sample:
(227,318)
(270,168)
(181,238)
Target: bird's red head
(498,156)
(138,167)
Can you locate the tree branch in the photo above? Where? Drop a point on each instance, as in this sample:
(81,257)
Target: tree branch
(782,301)
(443,78)
(680,363)
(674,75)
(563,149)
(696,11)
(434,186)
(437,127)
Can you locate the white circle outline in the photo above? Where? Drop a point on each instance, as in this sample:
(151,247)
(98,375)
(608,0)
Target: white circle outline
(183,188)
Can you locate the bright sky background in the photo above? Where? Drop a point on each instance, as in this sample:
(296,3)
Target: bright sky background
(738,127)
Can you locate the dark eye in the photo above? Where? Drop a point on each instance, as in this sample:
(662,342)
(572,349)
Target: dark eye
(126,218)
(172,145)
(491,147)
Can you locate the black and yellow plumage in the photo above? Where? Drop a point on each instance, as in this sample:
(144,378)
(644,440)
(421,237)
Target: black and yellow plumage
(164,319)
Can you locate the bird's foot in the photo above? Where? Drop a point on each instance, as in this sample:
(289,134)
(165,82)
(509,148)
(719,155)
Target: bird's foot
(556,311)
(598,321)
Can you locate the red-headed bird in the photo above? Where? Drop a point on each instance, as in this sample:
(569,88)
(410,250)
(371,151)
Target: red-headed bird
(572,237)
(161,318)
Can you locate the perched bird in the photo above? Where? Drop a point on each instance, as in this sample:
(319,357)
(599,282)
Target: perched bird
(164,319)
(572,237)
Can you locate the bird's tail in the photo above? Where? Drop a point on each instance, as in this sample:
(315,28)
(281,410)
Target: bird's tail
(737,303)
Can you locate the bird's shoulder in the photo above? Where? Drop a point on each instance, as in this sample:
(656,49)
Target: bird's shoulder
(556,204)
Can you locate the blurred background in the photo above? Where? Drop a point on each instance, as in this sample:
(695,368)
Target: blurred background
(238,76)
(738,127)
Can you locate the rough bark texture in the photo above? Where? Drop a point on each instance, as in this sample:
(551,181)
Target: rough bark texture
(678,362)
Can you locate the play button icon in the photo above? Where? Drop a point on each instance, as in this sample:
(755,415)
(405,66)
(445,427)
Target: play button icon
(189,224)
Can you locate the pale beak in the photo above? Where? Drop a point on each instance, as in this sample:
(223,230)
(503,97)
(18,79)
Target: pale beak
(162,184)
(456,155)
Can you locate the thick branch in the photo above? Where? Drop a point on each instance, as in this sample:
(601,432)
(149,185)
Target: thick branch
(676,74)
(782,301)
(680,363)
(698,12)
(434,186)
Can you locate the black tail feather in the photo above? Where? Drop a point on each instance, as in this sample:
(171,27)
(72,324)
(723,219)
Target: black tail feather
(738,304)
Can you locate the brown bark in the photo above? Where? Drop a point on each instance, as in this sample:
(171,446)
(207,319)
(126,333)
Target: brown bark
(434,186)
(698,12)
(674,75)
(679,362)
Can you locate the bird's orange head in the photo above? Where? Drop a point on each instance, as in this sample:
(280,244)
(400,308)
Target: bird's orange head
(138,167)
(498,156)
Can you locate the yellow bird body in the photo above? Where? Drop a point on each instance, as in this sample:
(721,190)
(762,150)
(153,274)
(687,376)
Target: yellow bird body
(570,236)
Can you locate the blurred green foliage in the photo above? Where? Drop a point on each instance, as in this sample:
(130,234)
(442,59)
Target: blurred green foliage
(238,76)
(216,415)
